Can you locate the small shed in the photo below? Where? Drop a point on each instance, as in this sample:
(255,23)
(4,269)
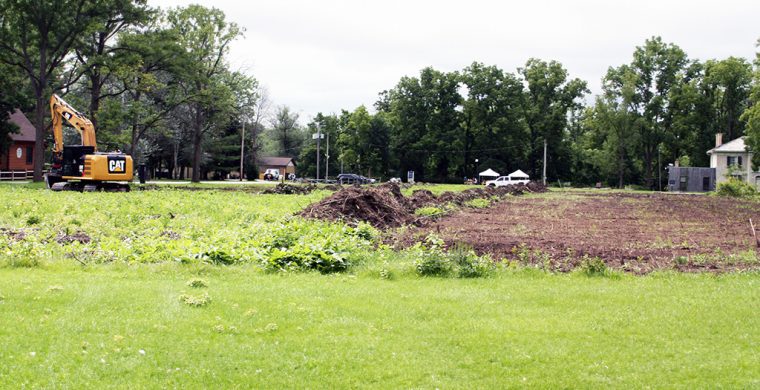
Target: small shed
(691,179)
(487,173)
(285,165)
(519,175)
(20,154)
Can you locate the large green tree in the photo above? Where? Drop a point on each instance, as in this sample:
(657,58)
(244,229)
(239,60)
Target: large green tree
(658,66)
(205,35)
(493,128)
(617,125)
(549,98)
(425,116)
(96,52)
(38,38)
(751,116)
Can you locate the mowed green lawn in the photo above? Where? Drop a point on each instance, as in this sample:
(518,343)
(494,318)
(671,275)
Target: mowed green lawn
(74,328)
(112,312)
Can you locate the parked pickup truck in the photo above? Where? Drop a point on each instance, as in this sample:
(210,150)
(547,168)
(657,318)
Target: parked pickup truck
(506,181)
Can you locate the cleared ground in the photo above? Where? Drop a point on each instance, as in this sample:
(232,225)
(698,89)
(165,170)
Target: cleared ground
(636,232)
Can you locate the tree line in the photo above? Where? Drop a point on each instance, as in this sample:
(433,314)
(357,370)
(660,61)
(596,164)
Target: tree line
(660,108)
(158,84)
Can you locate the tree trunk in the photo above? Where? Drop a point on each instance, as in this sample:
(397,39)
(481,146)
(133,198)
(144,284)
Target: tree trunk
(97,87)
(135,129)
(39,138)
(197,137)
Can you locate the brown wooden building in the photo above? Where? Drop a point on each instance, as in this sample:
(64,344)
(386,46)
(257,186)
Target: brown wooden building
(20,154)
(285,165)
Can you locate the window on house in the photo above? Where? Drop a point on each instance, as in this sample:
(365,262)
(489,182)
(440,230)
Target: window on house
(29,154)
(734,161)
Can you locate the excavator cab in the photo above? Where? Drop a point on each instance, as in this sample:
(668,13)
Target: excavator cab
(82,167)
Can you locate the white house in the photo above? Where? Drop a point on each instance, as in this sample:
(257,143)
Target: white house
(732,154)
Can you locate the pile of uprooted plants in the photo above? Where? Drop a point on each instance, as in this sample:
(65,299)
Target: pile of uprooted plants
(385,206)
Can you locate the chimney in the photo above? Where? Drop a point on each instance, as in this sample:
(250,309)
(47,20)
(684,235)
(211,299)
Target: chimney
(718,139)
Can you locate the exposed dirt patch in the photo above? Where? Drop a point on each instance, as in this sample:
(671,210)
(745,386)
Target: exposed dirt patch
(14,234)
(638,233)
(79,237)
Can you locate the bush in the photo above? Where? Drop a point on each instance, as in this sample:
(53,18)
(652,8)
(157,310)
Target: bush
(429,211)
(433,264)
(735,188)
(460,260)
(593,266)
(302,257)
(478,203)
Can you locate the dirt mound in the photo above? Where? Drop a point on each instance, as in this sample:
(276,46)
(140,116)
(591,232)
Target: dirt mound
(290,189)
(383,206)
(421,198)
(80,237)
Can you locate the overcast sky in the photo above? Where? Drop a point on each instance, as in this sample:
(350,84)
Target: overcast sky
(328,55)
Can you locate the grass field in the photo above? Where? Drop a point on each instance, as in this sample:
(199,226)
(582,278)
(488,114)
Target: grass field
(117,311)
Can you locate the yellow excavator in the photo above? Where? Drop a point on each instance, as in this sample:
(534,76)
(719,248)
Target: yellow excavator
(82,167)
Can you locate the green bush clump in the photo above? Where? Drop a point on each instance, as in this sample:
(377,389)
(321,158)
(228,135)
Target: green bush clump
(429,211)
(301,257)
(469,264)
(479,203)
(593,266)
(219,257)
(735,188)
(434,260)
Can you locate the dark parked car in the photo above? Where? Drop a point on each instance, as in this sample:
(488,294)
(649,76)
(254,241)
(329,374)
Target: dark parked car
(350,178)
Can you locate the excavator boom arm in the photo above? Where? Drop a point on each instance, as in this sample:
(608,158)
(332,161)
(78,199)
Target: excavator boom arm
(60,110)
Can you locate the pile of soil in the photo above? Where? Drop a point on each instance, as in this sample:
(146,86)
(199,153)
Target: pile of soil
(385,207)
(421,198)
(290,189)
(80,237)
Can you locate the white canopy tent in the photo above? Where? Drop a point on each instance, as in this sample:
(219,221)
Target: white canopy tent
(489,173)
(518,174)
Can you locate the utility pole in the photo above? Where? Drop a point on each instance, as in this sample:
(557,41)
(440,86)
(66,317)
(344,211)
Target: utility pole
(242,150)
(544,176)
(317,136)
(659,169)
(327,159)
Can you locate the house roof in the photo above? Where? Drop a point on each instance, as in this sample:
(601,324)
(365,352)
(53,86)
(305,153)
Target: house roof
(490,173)
(275,161)
(519,173)
(26,129)
(735,146)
